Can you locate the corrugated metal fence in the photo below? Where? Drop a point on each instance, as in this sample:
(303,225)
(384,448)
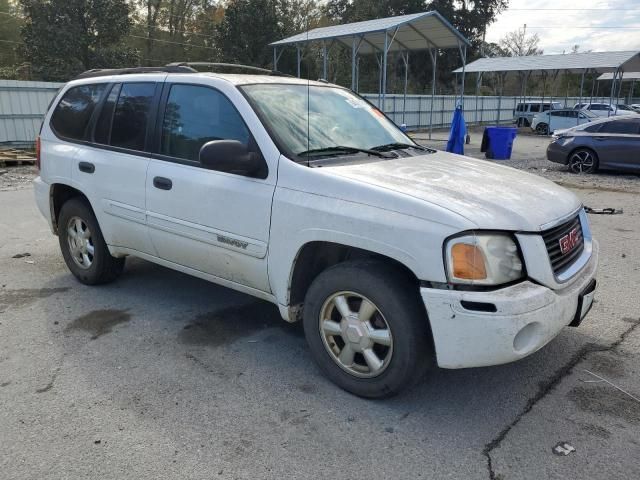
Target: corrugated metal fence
(22,105)
(483,109)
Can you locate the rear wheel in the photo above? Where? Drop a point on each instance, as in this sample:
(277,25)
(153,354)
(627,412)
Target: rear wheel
(367,329)
(83,247)
(583,160)
(542,129)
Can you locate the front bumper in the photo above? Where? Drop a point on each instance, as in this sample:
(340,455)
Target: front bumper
(528,316)
(556,153)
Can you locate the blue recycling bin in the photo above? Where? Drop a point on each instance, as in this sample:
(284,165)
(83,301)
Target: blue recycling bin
(499,142)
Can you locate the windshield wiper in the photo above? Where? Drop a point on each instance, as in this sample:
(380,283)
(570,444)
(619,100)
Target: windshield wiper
(340,149)
(396,146)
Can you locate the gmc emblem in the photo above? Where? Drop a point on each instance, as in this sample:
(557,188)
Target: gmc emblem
(569,241)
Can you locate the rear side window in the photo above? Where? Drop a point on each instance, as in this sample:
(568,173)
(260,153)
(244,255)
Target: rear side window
(105,120)
(131,115)
(534,108)
(71,116)
(628,127)
(195,115)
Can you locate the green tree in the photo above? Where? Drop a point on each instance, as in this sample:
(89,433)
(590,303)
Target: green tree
(247,29)
(65,37)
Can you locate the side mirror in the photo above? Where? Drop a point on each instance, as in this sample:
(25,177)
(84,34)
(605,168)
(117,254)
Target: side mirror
(231,156)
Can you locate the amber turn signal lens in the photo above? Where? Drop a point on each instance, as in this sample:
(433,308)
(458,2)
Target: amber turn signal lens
(468,262)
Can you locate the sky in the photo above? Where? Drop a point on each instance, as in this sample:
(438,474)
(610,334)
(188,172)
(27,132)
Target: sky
(595,25)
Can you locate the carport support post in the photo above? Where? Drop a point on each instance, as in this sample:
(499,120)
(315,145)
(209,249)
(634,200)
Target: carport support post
(353,64)
(298,58)
(501,76)
(478,81)
(275,58)
(324,60)
(384,69)
(613,89)
(463,56)
(580,101)
(433,53)
(405,59)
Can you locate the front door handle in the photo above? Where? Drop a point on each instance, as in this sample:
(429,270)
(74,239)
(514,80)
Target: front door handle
(86,167)
(162,183)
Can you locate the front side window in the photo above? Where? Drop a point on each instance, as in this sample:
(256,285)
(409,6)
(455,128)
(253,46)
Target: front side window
(305,118)
(195,115)
(72,114)
(129,129)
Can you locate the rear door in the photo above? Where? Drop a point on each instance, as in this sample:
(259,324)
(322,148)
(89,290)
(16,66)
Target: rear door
(112,167)
(211,221)
(617,143)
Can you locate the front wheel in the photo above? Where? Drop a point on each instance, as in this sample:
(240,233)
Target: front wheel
(542,129)
(83,247)
(367,329)
(583,160)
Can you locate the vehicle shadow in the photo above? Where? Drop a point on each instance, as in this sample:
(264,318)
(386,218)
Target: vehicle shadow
(181,339)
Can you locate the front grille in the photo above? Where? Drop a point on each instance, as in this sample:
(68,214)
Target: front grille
(561,261)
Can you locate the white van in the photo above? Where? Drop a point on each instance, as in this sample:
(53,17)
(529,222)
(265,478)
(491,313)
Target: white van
(395,257)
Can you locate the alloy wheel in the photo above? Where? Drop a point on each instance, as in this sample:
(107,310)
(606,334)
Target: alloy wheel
(80,242)
(356,334)
(582,161)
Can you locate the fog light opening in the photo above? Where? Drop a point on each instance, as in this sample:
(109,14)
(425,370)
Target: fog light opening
(527,339)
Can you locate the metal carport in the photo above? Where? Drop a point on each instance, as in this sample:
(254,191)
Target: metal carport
(615,63)
(419,31)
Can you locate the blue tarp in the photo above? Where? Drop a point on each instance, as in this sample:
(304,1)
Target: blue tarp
(458,133)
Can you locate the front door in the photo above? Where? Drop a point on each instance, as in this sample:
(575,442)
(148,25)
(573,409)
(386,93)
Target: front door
(211,221)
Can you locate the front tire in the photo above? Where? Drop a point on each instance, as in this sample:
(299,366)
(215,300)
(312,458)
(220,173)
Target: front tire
(542,129)
(83,247)
(367,329)
(583,160)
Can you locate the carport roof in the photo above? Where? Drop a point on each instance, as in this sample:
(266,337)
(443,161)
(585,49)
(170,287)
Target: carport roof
(417,31)
(626,76)
(598,62)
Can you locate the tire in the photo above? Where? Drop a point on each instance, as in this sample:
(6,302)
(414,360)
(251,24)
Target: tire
(583,160)
(87,257)
(399,350)
(542,129)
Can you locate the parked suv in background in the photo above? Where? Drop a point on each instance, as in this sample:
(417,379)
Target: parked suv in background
(305,195)
(547,122)
(605,110)
(524,112)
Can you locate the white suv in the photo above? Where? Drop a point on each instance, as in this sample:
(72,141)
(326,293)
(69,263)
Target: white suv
(301,193)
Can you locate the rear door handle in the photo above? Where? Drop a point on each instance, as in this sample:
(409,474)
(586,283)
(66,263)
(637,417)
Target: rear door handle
(86,167)
(162,183)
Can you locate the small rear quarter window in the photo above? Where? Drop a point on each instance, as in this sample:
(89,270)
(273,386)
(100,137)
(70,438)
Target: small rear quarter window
(72,114)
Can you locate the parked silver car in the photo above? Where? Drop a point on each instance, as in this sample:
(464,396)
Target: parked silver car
(610,143)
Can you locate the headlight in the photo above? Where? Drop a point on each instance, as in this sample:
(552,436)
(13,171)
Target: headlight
(483,259)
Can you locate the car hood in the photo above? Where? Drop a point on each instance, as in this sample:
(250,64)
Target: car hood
(491,196)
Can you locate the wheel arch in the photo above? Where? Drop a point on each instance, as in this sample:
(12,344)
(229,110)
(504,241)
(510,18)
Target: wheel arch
(59,194)
(316,256)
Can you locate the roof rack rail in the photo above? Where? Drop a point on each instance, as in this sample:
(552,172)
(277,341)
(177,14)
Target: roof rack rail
(236,66)
(103,72)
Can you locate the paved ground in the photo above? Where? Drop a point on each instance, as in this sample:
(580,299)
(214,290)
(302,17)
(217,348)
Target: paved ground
(160,375)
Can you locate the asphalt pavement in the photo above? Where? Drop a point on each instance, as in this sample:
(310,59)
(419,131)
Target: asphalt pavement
(161,375)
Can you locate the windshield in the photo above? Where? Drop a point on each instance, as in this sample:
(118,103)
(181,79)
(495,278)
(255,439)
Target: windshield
(315,118)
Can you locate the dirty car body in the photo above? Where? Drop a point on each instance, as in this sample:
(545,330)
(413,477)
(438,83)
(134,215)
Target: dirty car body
(305,195)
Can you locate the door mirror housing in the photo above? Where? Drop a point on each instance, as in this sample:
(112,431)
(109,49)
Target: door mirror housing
(232,156)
